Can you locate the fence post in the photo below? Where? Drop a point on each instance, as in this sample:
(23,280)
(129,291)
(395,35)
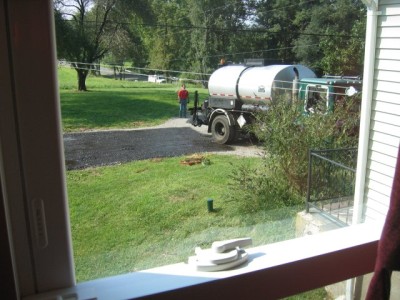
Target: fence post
(196,103)
(309,181)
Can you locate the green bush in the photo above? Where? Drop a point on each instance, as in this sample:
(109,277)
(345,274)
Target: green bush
(256,188)
(287,134)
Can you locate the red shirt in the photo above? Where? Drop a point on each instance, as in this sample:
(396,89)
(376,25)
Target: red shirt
(183,94)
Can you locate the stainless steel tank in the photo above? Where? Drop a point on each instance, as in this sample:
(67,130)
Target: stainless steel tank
(254,85)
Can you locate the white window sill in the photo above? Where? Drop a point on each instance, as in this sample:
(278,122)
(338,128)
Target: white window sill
(273,271)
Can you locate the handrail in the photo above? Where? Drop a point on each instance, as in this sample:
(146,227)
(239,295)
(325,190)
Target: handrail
(330,186)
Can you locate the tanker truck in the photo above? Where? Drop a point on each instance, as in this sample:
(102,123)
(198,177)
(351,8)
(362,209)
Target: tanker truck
(236,92)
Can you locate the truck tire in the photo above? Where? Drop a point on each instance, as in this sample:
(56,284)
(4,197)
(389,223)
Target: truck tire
(222,133)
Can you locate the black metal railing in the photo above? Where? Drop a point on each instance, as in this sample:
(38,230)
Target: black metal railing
(331,181)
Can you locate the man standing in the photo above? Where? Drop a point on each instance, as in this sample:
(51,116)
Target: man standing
(183,98)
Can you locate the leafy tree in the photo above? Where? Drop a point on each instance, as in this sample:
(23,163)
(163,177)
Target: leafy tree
(216,33)
(195,35)
(282,21)
(344,55)
(128,44)
(203,37)
(287,135)
(333,40)
(324,35)
(167,40)
(86,30)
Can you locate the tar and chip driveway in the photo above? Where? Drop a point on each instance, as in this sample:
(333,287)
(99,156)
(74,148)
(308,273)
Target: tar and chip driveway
(174,138)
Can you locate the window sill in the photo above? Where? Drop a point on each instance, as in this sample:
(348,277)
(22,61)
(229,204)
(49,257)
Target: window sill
(273,271)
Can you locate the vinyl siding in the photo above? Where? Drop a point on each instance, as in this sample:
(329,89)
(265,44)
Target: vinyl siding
(385,115)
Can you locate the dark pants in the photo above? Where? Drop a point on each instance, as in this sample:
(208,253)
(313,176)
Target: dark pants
(182,108)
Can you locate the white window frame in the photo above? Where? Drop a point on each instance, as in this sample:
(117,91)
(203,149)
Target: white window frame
(34,198)
(316,86)
(32,168)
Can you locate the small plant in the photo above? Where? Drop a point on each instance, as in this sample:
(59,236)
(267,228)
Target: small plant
(256,188)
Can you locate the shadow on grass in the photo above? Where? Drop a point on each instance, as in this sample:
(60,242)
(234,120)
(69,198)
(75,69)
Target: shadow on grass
(116,108)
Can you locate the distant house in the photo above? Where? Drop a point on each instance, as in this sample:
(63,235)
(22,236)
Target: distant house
(157,79)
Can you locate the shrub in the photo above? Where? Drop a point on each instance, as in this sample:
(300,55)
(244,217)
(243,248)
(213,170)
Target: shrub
(287,135)
(256,188)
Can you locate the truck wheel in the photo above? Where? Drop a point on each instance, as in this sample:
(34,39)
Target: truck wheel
(222,133)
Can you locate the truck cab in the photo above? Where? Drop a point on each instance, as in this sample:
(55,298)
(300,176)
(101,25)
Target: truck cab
(319,95)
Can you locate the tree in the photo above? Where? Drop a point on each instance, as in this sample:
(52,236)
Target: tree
(128,43)
(216,32)
(333,40)
(324,35)
(85,30)
(282,20)
(167,40)
(195,35)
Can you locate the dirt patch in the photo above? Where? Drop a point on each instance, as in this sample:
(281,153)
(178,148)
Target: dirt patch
(195,159)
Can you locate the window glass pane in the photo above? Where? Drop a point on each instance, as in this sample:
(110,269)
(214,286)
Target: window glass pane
(146,188)
(317,99)
(133,215)
(320,293)
(139,197)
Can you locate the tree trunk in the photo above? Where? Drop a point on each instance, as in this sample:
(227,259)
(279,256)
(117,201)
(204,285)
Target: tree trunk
(82,74)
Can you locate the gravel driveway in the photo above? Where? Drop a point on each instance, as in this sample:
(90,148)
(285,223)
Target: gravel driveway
(174,138)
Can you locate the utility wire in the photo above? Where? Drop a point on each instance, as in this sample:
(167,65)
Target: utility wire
(228,30)
(287,6)
(207,56)
(89,67)
(252,52)
(92,66)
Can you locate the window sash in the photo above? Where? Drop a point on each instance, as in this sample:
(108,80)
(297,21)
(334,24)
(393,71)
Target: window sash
(32,168)
(274,271)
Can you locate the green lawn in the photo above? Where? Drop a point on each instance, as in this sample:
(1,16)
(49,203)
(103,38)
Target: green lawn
(113,103)
(154,212)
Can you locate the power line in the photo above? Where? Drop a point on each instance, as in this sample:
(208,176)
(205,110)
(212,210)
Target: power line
(95,67)
(233,30)
(287,6)
(228,30)
(89,67)
(221,55)
(92,66)
(252,52)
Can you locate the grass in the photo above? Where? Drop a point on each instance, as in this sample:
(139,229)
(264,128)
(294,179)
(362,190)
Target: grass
(150,213)
(121,223)
(111,104)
